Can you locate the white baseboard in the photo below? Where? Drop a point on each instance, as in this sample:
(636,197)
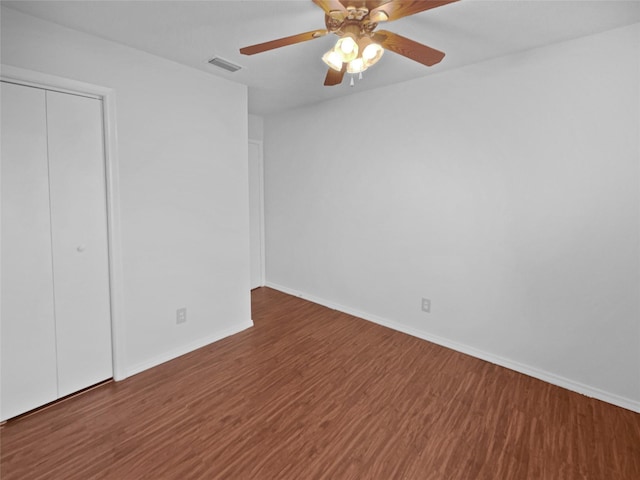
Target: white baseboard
(474,352)
(184,349)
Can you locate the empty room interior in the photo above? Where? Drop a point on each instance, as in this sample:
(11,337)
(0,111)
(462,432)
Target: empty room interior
(320,239)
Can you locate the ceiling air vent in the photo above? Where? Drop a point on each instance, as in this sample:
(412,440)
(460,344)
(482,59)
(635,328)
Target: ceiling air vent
(226,64)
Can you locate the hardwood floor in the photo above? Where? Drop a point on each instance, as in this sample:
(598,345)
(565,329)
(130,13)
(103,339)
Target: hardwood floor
(311,393)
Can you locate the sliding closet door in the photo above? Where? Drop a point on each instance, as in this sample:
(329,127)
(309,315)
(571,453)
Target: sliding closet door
(27,327)
(79,239)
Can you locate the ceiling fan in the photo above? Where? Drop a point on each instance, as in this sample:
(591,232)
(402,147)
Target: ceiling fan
(360,45)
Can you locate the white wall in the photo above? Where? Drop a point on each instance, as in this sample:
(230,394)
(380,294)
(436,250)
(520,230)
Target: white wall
(182,145)
(507,192)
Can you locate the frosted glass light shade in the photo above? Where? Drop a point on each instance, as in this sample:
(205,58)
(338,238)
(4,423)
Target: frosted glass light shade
(356,66)
(347,48)
(372,53)
(333,60)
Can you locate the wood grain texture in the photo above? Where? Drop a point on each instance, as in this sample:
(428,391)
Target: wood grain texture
(283,42)
(408,48)
(334,77)
(311,393)
(404,8)
(330,5)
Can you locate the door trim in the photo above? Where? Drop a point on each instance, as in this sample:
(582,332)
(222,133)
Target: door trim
(31,78)
(263,262)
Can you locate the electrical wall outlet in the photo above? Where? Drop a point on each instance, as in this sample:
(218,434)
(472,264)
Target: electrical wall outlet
(181,315)
(426,305)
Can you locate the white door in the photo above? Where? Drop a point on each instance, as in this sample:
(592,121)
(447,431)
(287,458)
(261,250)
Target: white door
(256,214)
(79,239)
(27,324)
(55,320)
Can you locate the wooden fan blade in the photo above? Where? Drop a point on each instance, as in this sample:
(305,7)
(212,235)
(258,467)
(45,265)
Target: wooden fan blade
(396,9)
(282,42)
(334,77)
(408,48)
(330,6)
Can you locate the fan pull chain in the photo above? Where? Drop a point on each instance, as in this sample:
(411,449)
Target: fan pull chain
(360,76)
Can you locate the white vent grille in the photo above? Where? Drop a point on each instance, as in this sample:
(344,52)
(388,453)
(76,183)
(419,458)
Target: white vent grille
(226,64)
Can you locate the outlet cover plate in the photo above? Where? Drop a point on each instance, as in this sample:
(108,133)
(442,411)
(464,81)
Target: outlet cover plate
(426,305)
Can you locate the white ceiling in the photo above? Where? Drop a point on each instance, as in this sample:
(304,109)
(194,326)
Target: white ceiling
(191,32)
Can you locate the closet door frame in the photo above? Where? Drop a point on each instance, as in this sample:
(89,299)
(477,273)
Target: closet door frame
(108,96)
(258,144)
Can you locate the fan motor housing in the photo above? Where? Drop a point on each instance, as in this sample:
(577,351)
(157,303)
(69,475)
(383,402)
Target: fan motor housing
(340,27)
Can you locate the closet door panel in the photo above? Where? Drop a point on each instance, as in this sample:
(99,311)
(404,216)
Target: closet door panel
(27,326)
(79,239)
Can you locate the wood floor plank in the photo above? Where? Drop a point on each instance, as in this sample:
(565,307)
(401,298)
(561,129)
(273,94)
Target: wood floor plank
(311,393)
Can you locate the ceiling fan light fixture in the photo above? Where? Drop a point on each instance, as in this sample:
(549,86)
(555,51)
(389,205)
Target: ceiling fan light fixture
(347,47)
(371,51)
(359,46)
(356,66)
(333,60)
